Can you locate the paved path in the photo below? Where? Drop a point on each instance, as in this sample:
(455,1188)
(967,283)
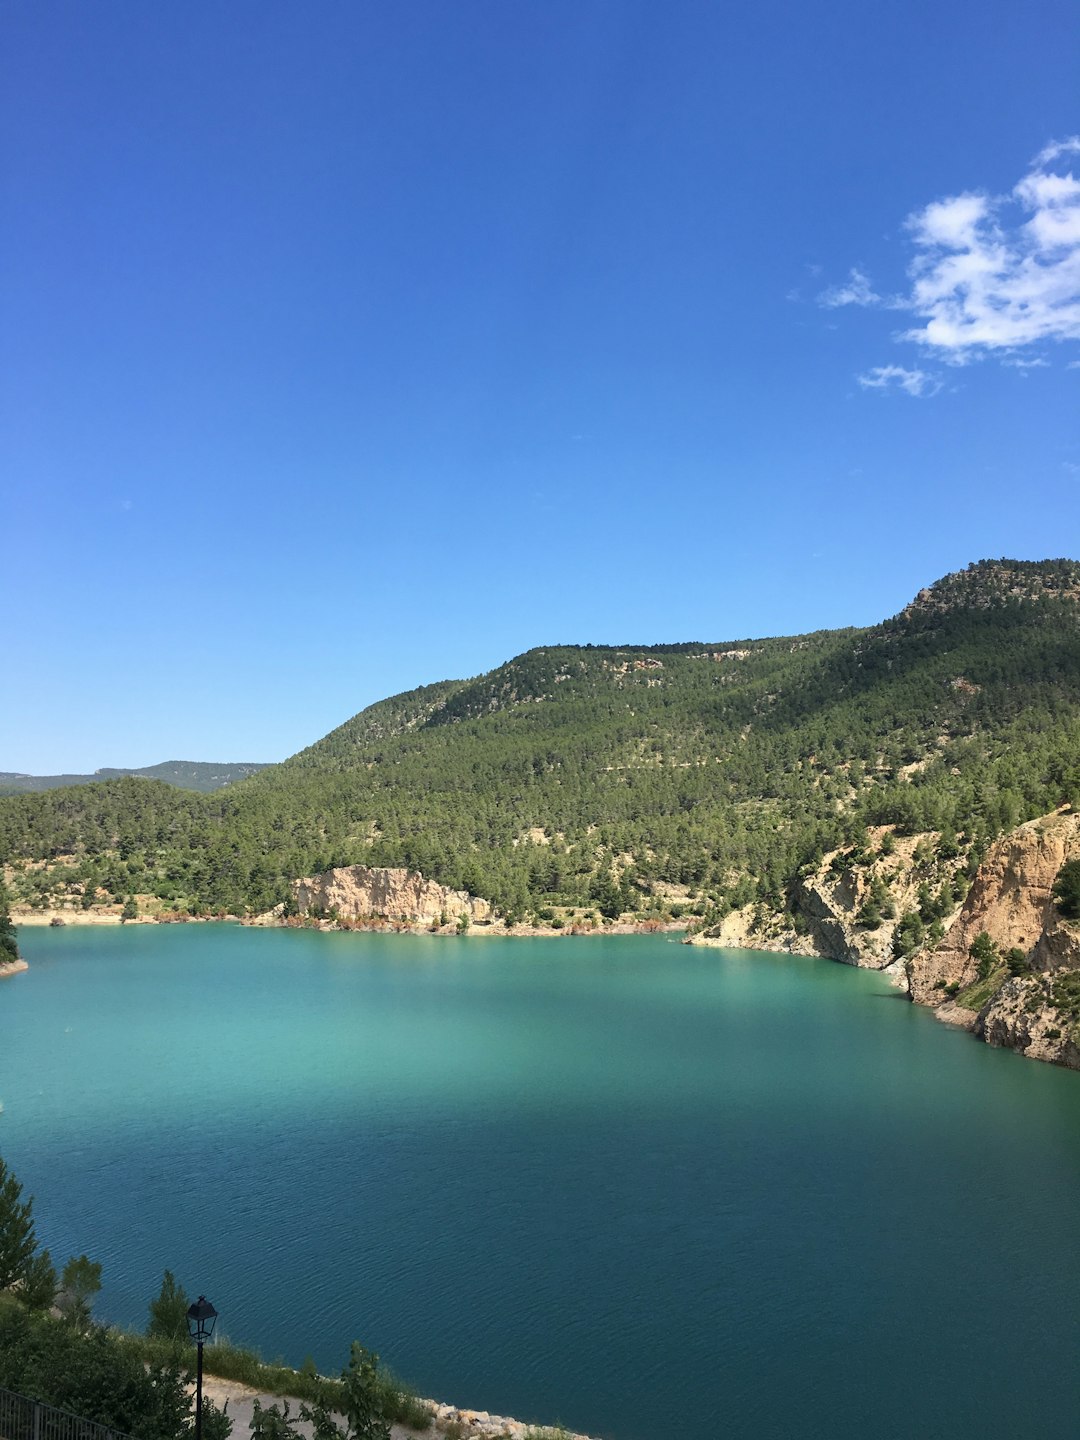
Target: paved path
(242,1399)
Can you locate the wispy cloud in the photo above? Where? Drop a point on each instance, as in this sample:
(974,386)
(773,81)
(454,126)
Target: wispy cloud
(917,383)
(857,291)
(992,275)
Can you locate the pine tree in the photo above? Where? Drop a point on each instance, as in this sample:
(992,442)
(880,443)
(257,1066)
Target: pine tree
(38,1288)
(9,949)
(168,1313)
(17,1241)
(79,1284)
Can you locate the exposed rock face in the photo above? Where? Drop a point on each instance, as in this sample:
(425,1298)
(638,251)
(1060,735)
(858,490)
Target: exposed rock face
(1021,1016)
(830,902)
(1011,900)
(996,582)
(749,929)
(832,899)
(357,892)
(1036,1011)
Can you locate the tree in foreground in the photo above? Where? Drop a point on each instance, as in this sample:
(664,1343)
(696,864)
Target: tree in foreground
(17,1241)
(79,1284)
(39,1283)
(92,1373)
(362,1403)
(168,1313)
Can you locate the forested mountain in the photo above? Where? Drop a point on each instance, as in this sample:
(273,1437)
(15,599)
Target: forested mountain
(198,775)
(623,777)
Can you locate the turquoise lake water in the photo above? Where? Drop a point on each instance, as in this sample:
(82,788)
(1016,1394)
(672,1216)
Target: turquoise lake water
(645,1189)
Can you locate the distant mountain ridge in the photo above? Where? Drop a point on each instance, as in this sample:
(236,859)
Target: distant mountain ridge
(203,776)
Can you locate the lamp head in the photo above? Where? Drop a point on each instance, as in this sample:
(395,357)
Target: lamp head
(200,1320)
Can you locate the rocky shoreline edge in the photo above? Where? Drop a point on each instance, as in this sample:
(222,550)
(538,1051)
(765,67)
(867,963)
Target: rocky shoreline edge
(454,1421)
(1001,959)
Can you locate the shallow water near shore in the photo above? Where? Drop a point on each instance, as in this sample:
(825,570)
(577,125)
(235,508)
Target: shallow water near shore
(645,1189)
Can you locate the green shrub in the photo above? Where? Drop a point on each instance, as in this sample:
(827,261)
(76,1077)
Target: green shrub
(908,935)
(96,1374)
(1017,961)
(1065,994)
(984,952)
(1067,890)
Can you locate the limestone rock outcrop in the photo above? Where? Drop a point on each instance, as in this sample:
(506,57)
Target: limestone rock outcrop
(749,928)
(1022,1016)
(830,906)
(1011,899)
(360,892)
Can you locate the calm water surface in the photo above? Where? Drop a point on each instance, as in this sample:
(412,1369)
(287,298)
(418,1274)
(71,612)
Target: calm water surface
(645,1189)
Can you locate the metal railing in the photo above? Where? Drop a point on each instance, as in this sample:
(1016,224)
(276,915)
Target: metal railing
(24,1419)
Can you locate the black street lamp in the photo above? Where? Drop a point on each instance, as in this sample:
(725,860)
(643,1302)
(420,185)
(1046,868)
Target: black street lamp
(200,1324)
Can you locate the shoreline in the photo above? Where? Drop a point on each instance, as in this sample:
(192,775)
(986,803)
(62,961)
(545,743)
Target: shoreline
(60,919)
(468,1423)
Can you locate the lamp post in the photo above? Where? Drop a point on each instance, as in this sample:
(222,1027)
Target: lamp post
(200,1324)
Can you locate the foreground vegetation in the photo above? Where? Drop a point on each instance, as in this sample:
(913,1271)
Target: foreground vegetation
(656,781)
(51,1350)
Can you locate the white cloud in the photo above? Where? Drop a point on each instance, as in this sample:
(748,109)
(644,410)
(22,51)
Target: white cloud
(992,275)
(857,291)
(917,383)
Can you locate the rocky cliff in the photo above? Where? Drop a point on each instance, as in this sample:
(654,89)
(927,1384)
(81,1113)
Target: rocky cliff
(848,908)
(1011,900)
(1023,990)
(356,892)
(895,903)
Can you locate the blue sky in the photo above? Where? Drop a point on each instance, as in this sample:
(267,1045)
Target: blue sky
(349,347)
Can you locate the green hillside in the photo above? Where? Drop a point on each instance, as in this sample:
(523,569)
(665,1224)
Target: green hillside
(624,776)
(200,775)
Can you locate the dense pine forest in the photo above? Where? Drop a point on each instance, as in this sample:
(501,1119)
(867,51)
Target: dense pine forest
(186,774)
(697,776)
